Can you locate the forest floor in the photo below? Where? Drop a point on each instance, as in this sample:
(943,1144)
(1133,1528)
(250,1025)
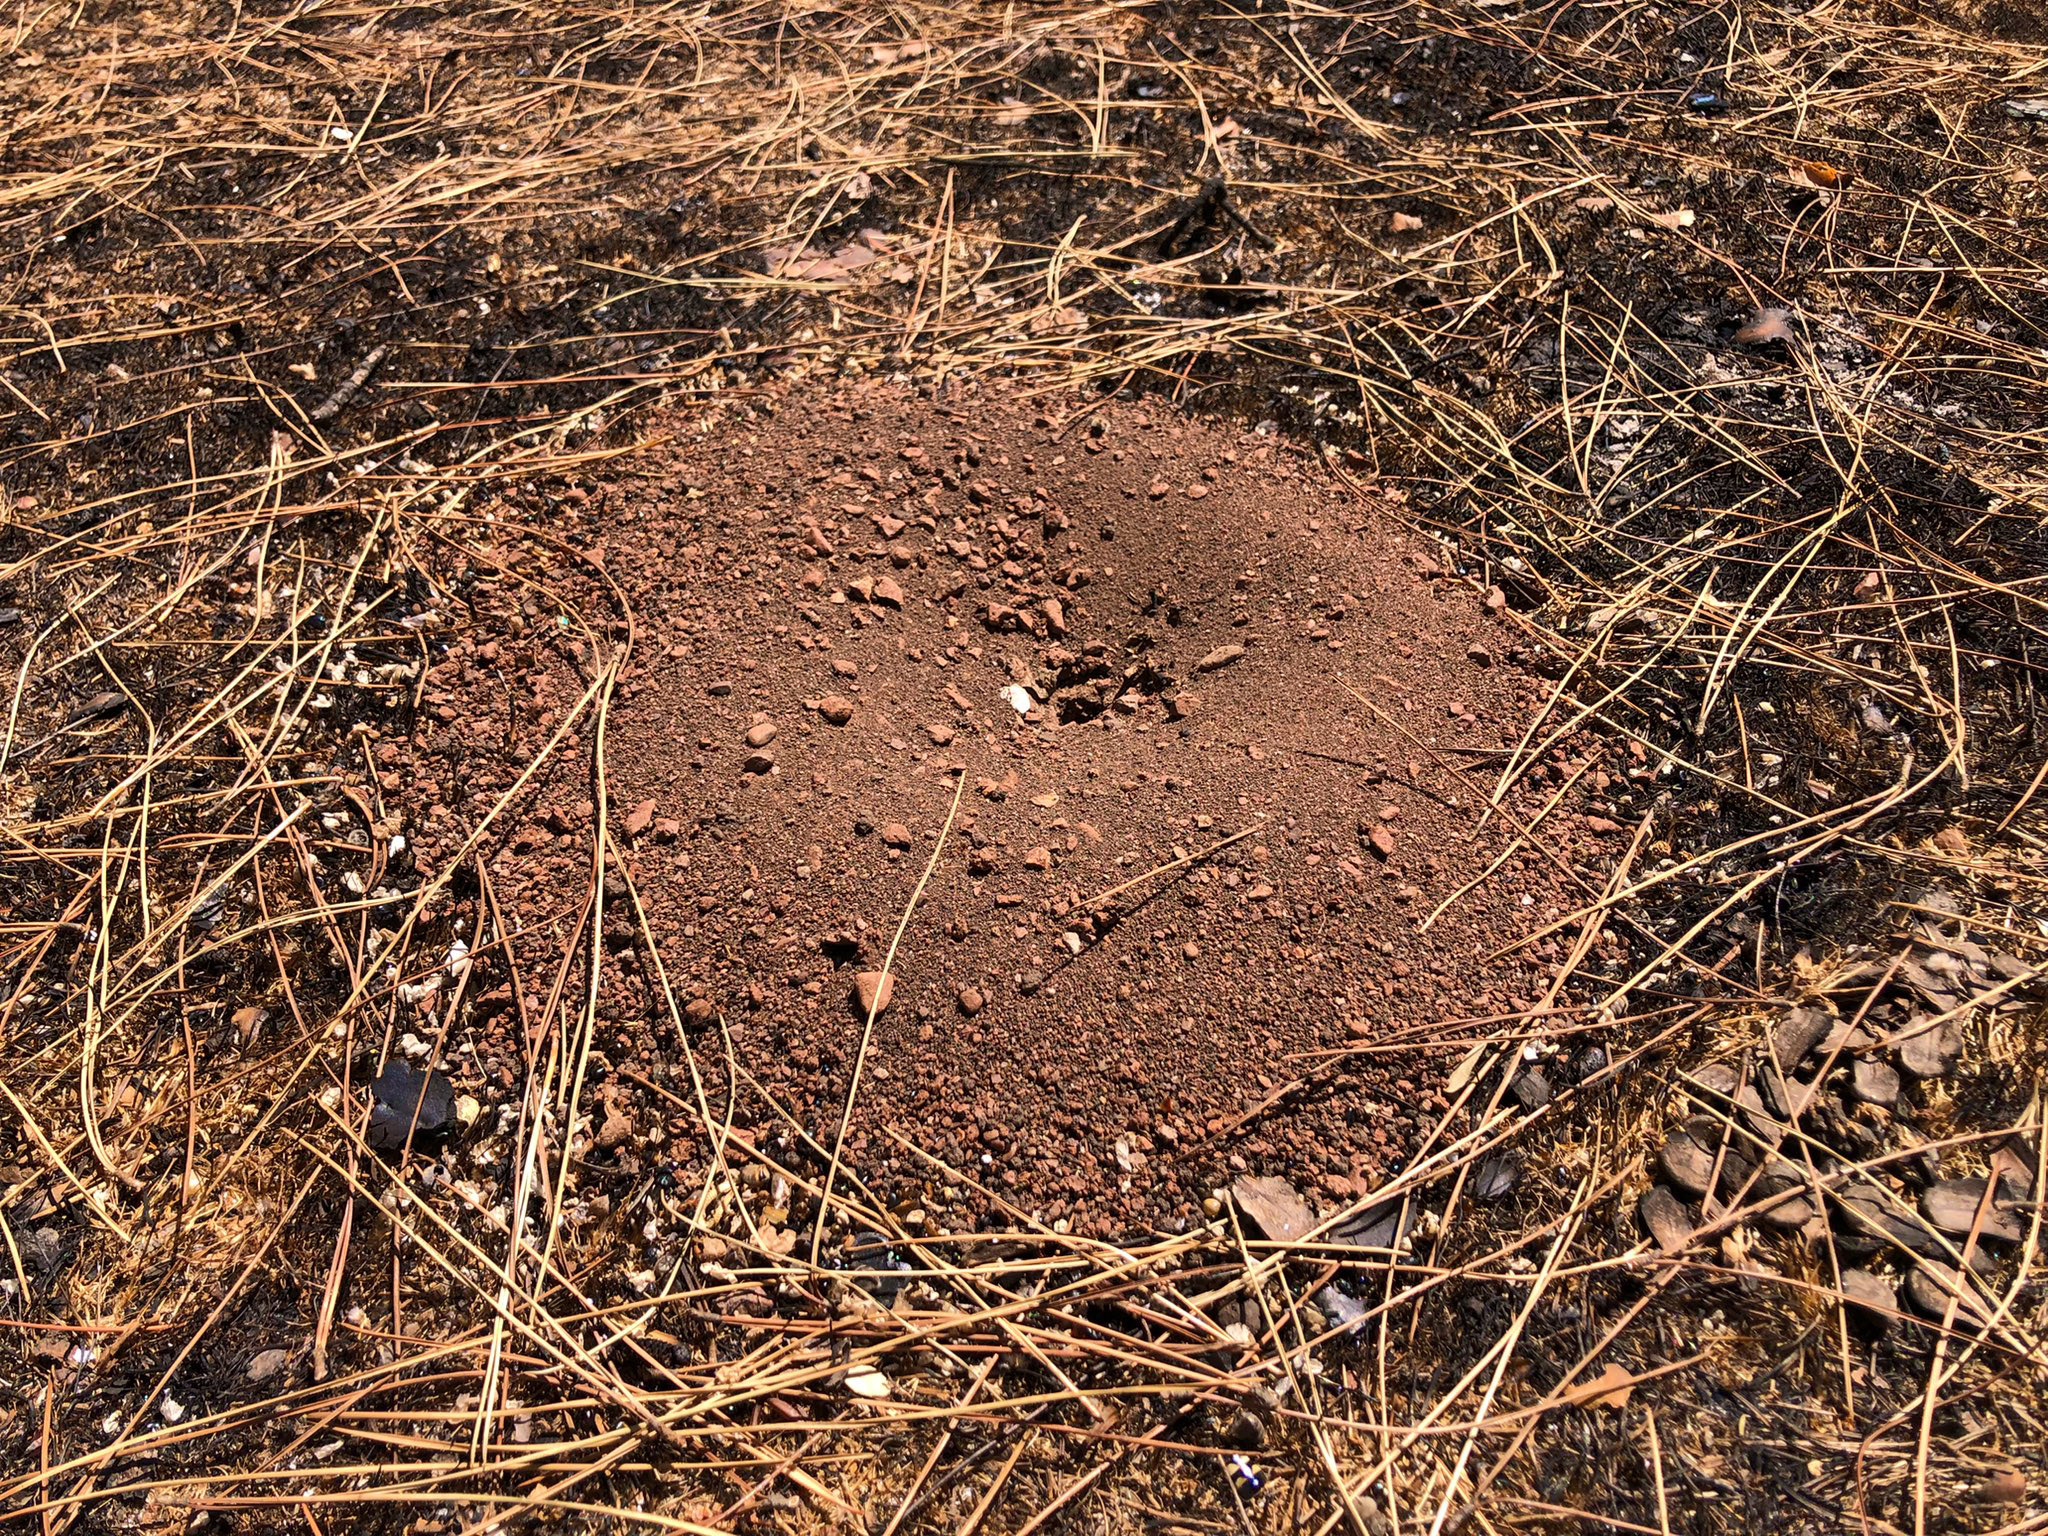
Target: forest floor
(1091,767)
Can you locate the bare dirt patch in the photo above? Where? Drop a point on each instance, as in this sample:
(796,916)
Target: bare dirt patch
(1252,707)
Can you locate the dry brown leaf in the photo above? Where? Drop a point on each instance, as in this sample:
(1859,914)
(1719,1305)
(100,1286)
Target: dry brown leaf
(1044,322)
(891,53)
(1464,1072)
(852,256)
(833,267)
(1771,324)
(2006,1487)
(1610,1389)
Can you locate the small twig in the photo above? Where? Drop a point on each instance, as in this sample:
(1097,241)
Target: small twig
(346,390)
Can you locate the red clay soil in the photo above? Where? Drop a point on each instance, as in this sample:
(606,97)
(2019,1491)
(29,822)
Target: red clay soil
(837,595)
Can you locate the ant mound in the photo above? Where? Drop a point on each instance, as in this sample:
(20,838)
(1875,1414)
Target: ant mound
(1178,750)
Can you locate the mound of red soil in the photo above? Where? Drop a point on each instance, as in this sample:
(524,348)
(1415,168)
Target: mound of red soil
(1138,638)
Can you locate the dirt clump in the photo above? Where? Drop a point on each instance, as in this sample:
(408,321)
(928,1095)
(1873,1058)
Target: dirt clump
(1228,735)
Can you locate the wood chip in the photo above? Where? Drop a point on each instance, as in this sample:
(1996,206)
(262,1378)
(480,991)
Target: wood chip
(1687,1162)
(1873,1082)
(1929,1050)
(1273,1206)
(866,1381)
(1952,1206)
(1932,1284)
(1665,1220)
(1796,1034)
(1873,1299)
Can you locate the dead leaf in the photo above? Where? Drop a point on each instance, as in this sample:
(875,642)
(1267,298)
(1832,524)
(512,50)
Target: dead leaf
(1064,318)
(1497,1176)
(1463,1072)
(891,53)
(1406,223)
(110,702)
(866,1381)
(1771,324)
(265,1364)
(2006,1487)
(831,267)
(1610,1389)
(852,256)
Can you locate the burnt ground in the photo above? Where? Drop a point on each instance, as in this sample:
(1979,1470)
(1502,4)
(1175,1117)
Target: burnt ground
(832,590)
(337,340)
